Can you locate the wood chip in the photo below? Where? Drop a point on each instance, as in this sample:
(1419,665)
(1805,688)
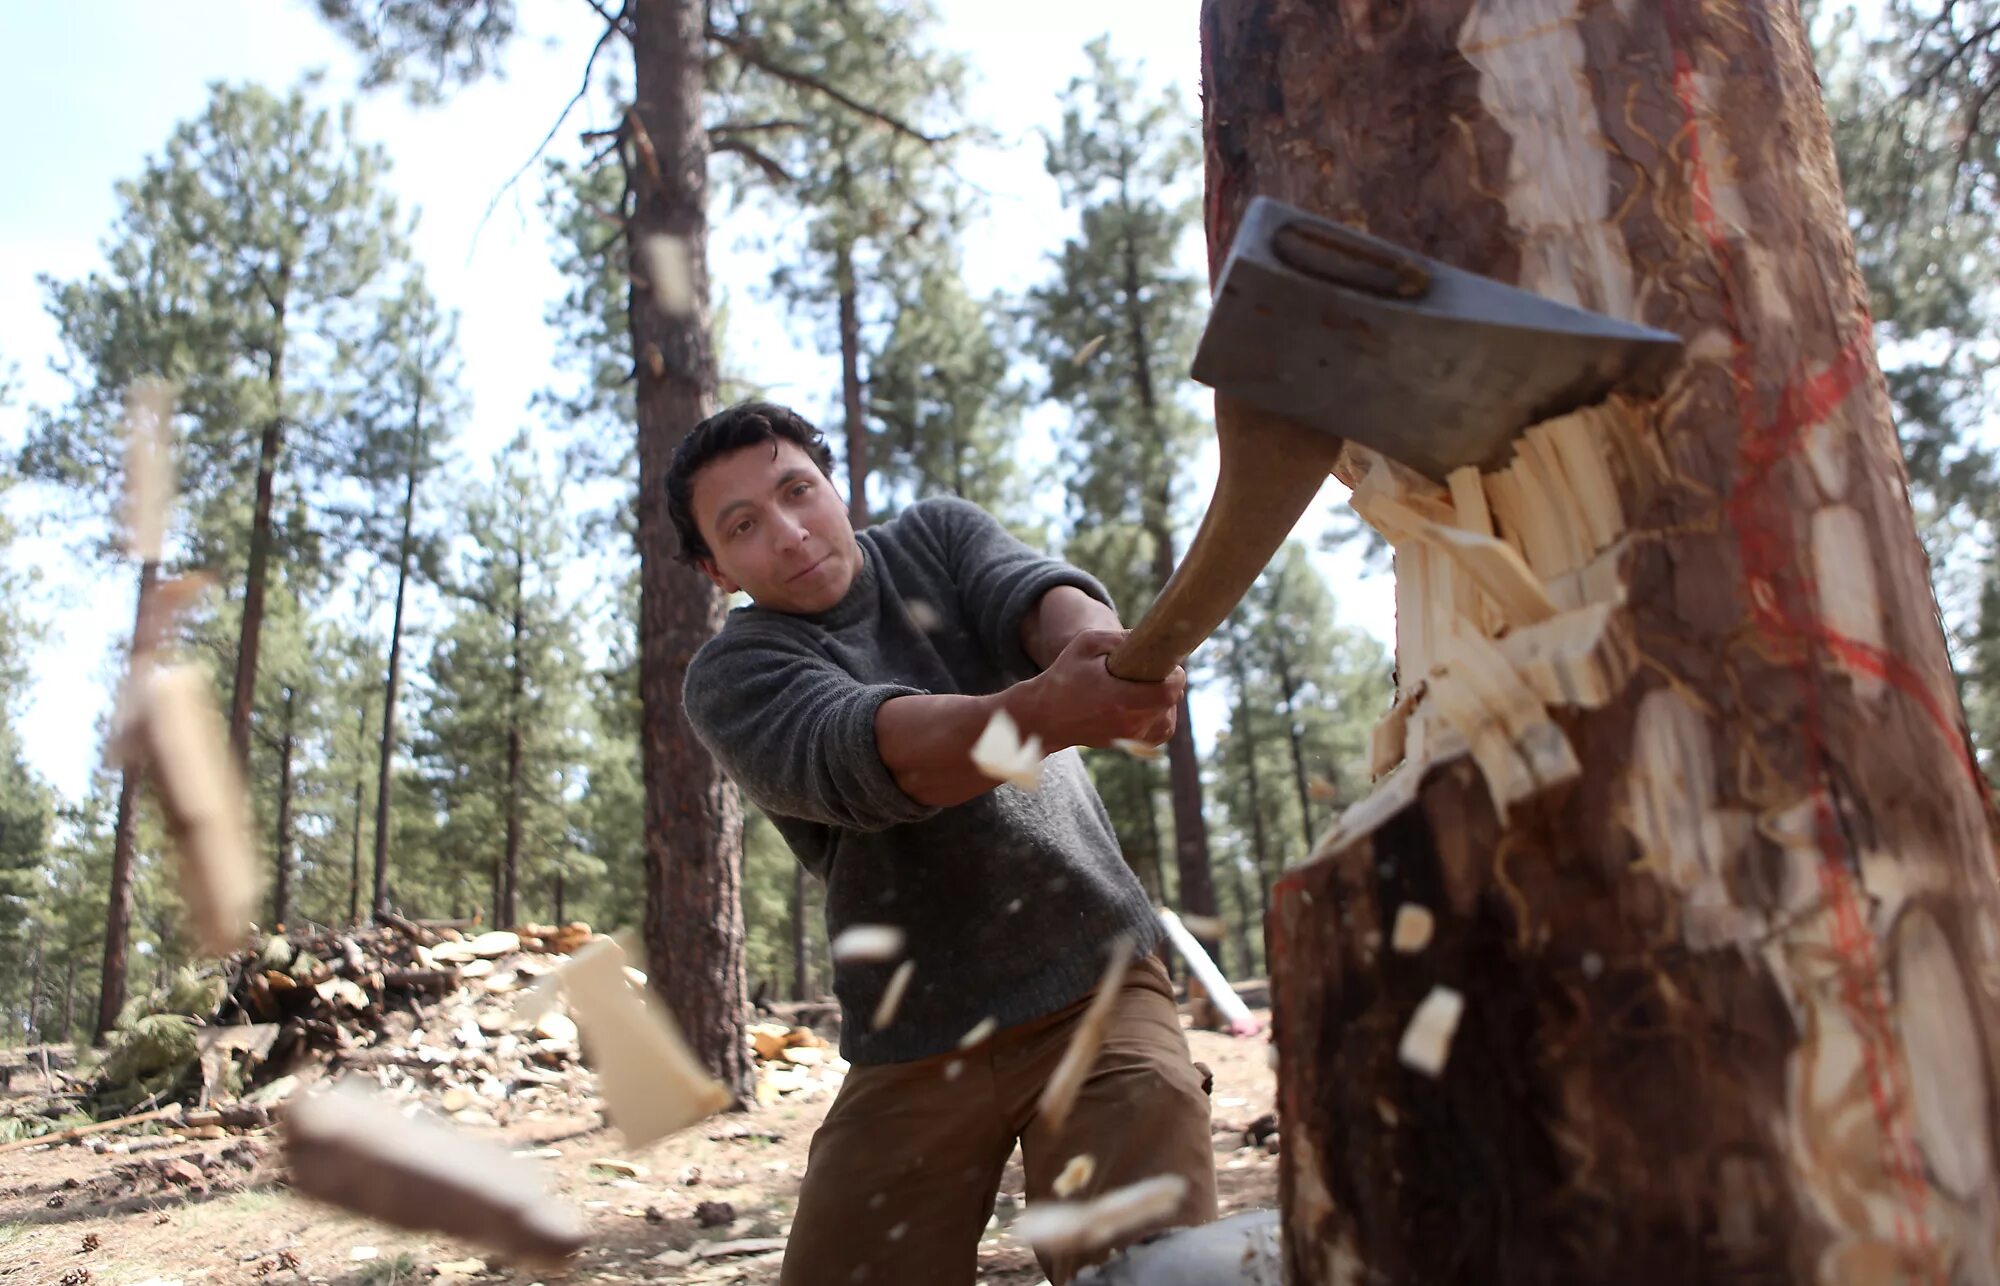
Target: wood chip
(1137,749)
(1075,1176)
(1059,1093)
(1414,926)
(1089,350)
(149,470)
(1000,753)
(200,790)
(354,1149)
(1064,1227)
(669,268)
(980,1031)
(1426,1044)
(652,1083)
(892,995)
(867,942)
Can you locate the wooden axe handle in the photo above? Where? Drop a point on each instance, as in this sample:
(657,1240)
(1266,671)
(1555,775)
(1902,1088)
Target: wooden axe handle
(1271,468)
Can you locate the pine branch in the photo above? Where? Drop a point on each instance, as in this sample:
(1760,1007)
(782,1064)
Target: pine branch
(752,53)
(772,170)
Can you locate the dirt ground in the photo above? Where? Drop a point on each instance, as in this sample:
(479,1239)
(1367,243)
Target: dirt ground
(216,1210)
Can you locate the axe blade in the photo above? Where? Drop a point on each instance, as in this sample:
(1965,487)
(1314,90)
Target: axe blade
(1432,366)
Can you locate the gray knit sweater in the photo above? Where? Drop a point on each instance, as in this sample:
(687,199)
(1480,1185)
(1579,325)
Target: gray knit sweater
(1008,900)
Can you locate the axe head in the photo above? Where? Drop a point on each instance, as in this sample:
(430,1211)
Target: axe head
(1430,365)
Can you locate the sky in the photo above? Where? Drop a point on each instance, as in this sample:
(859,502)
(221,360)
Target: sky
(95,89)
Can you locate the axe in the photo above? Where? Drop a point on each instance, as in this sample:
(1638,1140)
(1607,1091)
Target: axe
(1320,334)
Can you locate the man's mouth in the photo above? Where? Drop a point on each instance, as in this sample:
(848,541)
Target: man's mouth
(810,570)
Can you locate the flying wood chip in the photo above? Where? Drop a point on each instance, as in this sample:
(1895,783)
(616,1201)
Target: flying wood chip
(867,942)
(1075,1176)
(355,1150)
(1001,754)
(653,1085)
(1066,1227)
(201,796)
(149,471)
(1136,749)
(1414,925)
(1059,1094)
(669,269)
(892,995)
(1426,1044)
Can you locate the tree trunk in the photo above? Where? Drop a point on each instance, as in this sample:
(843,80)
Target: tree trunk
(1288,693)
(561,916)
(281,895)
(354,851)
(694,852)
(268,449)
(850,386)
(69,996)
(118,896)
(1246,736)
(35,990)
(799,960)
(405,546)
(1729,1009)
(510,869)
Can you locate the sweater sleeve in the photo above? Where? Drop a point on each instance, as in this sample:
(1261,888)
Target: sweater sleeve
(795,732)
(998,578)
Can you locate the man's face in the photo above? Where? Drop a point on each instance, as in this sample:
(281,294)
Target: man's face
(775,528)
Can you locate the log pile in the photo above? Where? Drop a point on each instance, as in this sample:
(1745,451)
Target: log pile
(793,1062)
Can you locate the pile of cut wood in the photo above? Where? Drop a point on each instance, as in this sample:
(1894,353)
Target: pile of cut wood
(793,1062)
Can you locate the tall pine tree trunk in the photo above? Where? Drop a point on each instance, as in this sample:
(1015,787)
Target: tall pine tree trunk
(510,870)
(281,894)
(405,547)
(850,385)
(118,894)
(354,839)
(799,959)
(1246,736)
(270,446)
(1729,1000)
(35,989)
(694,820)
(1288,695)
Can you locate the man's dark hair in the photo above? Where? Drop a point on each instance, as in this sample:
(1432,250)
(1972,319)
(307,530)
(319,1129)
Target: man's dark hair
(743,425)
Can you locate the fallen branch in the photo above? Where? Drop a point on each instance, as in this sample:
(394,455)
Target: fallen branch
(95,1127)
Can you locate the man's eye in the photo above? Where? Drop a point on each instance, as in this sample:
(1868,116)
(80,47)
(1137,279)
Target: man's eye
(801,488)
(740,528)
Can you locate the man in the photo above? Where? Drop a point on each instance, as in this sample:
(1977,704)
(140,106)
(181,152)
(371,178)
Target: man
(845,702)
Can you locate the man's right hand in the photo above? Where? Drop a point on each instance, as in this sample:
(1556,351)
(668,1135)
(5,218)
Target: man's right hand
(1077,702)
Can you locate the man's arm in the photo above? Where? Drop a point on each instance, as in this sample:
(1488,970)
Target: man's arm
(926,739)
(1059,616)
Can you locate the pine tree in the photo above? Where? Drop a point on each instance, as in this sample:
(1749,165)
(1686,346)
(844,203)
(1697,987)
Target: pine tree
(1113,329)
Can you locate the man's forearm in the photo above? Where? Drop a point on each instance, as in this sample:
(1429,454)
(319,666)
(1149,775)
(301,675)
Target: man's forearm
(1059,616)
(926,743)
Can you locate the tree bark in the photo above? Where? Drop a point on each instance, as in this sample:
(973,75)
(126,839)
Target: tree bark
(281,894)
(1246,736)
(118,896)
(354,839)
(405,547)
(694,855)
(1729,997)
(270,446)
(510,868)
(850,385)
(799,957)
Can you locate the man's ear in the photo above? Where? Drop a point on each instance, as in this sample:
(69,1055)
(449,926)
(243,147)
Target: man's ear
(714,573)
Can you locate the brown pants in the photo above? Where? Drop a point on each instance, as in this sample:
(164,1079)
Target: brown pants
(902,1175)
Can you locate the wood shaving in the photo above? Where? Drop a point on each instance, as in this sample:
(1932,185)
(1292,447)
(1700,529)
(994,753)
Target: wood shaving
(1211,927)
(868,942)
(1059,1094)
(201,794)
(1426,1044)
(980,1031)
(1090,350)
(149,470)
(924,616)
(892,995)
(1414,925)
(1136,749)
(652,1083)
(1065,1227)
(354,1149)
(669,270)
(1000,753)
(1075,1175)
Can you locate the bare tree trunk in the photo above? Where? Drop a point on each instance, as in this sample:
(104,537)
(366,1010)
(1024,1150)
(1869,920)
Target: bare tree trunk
(281,895)
(35,989)
(694,854)
(1246,736)
(561,910)
(850,386)
(69,998)
(510,870)
(269,447)
(799,956)
(405,547)
(1288,692)
(354,849)
(118,896)
(1729,1010)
